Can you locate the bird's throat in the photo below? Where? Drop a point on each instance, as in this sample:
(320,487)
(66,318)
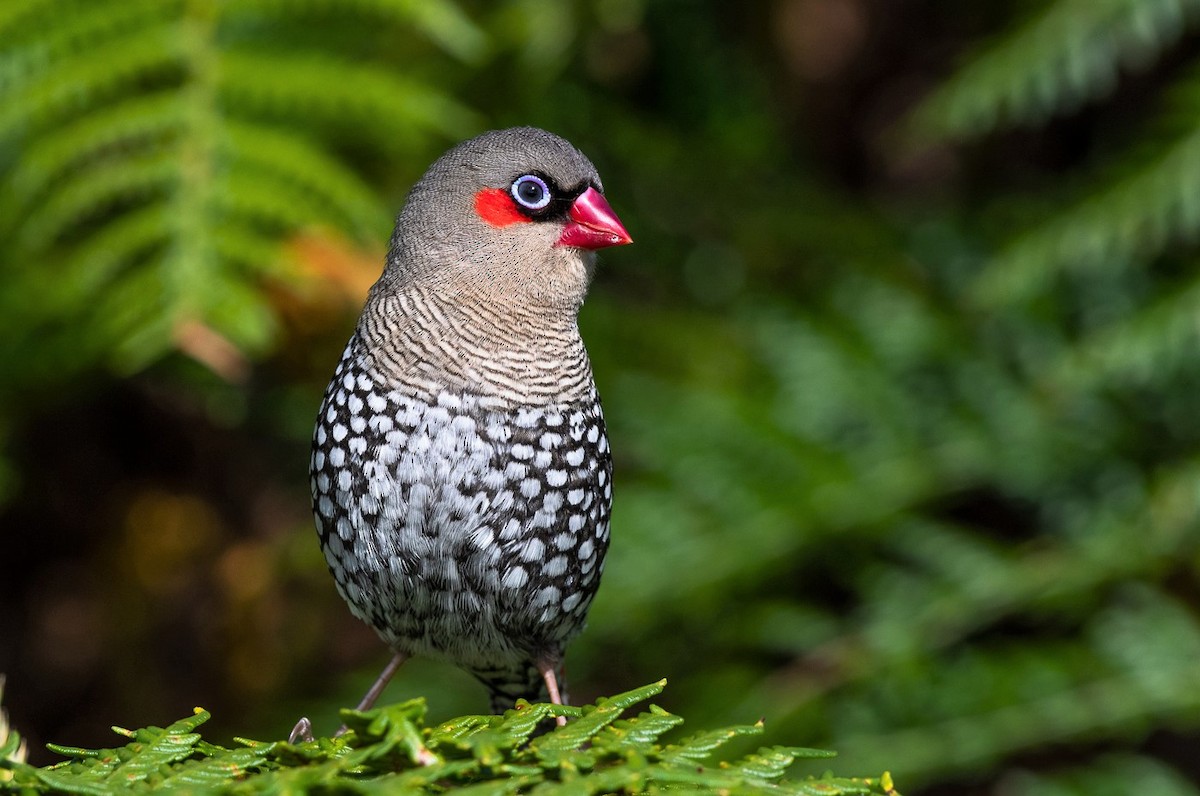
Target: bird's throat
(510,357)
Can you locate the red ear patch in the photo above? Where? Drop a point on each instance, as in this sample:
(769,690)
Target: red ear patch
(497,208)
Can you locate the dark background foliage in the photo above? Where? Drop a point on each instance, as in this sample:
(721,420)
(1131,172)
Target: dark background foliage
(900,373)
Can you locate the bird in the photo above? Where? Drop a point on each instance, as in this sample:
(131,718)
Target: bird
(461,472)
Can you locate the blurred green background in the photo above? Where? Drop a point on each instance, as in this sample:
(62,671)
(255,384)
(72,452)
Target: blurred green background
(901,374)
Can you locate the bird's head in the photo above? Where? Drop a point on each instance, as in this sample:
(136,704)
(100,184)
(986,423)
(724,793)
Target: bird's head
(511,216)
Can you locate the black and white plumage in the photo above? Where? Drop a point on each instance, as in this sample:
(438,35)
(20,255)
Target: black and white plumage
(461,475)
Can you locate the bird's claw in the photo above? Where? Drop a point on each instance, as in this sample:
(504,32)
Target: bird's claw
(302,732)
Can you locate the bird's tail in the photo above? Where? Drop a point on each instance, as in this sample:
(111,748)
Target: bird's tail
(506,686)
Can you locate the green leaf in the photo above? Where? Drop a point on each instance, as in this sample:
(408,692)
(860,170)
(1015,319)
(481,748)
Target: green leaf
(390,751)
(1067,53)
(160,152)
(702,744)
(593,720)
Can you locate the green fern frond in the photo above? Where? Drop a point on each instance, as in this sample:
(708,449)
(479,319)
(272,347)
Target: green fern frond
(441,22)
(1067,54)
(160,151)
(648,727)
(252,251)
(344,199)
(96,190)
(37,49)
(239,312)
(1150,348)
(1134,668)
(267,200)
(126,240)
(953,583)
(336,91)
(1126,222)
(445,24)
(18,13)
(391,750)
(90,78)
(129,320)
(126,125)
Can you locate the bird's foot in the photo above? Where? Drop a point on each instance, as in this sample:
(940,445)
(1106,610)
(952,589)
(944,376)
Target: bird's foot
(302,732)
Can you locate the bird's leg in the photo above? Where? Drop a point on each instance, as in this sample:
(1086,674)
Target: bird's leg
(389,671)
(369,698)
(547,671)
(303,730)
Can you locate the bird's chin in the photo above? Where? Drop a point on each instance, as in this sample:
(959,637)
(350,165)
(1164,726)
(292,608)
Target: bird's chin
(568,279)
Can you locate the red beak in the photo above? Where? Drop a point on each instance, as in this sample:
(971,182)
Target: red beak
(593,224)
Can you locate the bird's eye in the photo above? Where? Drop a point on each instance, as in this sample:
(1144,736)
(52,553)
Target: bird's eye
(531,192)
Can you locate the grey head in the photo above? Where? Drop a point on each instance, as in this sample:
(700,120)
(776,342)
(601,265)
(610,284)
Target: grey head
(491,221)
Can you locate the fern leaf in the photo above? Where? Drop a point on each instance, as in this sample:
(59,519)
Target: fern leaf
(1067,54)
(1110,542)
(129,320)
(30,56)
(1112,773)
(1152,347)
(151,749)
(331,90)
(127,124)
(579,731)
(238,313)
(146,157)
(251,254)
(18,17)
(445,24)
(1159,669)
(267,200)
(701,745)
(98,189)
(392,731)
(389,751)
(440,21)
(60,782)
(771,763)
(219,769)
(313,174)
(95,76)
(516,727)
(12,746)
(1128,221)
(462,727)
(645,728)
(90,266)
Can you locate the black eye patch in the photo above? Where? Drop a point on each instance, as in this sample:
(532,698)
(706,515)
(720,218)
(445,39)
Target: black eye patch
(559,204)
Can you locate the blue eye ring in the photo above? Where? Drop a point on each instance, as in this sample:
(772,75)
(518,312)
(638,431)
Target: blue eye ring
(531,192)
